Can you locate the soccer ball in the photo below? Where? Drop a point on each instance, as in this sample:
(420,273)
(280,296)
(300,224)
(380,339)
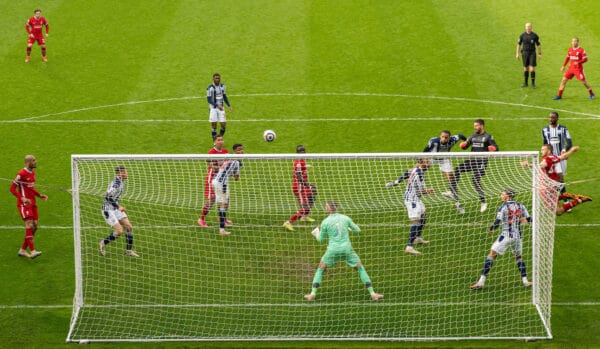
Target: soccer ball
(269,135)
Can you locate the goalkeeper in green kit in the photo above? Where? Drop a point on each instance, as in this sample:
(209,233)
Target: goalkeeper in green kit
(336,228)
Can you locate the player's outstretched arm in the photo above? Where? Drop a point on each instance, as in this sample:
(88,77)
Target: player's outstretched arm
(566,155)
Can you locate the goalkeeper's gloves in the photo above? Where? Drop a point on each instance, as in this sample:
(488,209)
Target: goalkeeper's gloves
(392,184)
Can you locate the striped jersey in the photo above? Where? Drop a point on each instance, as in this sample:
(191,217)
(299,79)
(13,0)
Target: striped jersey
(215,95)
(415,184)
(435,144)
(558,137)
(113,194)
(228,168)
(510,215)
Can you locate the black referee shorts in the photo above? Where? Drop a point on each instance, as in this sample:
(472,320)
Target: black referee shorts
(529,58)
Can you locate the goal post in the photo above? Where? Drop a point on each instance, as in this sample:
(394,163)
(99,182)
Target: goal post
(192,284)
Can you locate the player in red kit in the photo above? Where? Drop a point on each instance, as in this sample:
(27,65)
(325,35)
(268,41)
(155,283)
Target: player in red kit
(23,188)
(213,168)
(548,165)
(576,56)
(34,28)
(303,191)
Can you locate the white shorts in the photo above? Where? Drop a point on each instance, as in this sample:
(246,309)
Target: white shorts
(415,209)
(221,193)
(503,243)
(445,164)
(216,115)
(113,217)
(561,167)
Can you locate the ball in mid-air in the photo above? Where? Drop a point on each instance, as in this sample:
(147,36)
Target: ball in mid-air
(269,135)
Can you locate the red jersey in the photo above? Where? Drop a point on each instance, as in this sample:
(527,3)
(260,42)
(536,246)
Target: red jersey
(24,186)
(213,169)
(576,57)
(551,161)
(300,169)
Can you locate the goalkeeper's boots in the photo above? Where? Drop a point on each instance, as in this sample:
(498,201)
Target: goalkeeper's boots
(584,198)
(420,240)
(287,225)
(310,297)
(411,250)
(35,254)
(476,286)
(307,219)
(102,248)
(202,223)
(131,253)
(23,253)
(376,296)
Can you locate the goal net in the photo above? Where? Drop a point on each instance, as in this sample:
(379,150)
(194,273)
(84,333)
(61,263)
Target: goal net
(191,283)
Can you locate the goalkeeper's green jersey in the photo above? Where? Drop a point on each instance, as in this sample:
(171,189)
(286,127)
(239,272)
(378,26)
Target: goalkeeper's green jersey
(336,228)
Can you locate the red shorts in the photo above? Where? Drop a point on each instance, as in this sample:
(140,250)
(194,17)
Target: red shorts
(40,40)
(578,73)
(209,192)
(28,212)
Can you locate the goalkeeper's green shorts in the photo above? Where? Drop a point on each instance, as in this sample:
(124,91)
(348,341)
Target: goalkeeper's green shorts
(332,257)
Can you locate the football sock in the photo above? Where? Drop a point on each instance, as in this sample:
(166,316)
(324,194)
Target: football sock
(364,277)
(533,78)
(421,224)
(591,92)
(522,267)
(222,132)
(317,280)
(28,241)
(414,229)
(43,52)
(487,266)
(570,204)
(560,92)
(525,76)
(205,209)
(129,239)
(222,217)
(110,238)
(214,132)
(29,51)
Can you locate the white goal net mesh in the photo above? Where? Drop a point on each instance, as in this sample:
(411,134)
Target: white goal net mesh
(190,283)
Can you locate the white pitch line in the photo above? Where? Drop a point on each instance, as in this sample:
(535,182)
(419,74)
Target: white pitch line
(324,94)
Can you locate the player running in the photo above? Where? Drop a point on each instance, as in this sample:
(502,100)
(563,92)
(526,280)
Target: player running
(114,213)
(303,191)
(213,168)
(335,228)
(576,56)
(34,28)
(510,215)
(23,188)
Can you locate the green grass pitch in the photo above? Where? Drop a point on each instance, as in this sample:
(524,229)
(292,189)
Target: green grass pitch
(337,76)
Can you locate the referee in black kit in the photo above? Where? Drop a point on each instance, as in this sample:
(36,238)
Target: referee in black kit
(526,46)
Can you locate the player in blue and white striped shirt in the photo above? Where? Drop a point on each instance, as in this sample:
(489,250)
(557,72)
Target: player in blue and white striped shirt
(559,138)
(510,216)
(415,188)
(216,96)
(229,168)
(114,214)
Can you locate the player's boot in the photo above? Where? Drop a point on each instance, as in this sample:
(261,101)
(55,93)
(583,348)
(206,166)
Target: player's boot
(35,254)
(528,284)
(287,225)
(307,219)
(420,240)
(448,194)
(27,59)
(310,297)
(533,85)
(228,223)
(411,250)
(583,198)
(223,232)
(483,207)
(23,253)
(202,223)
(376,296)
(131,253)
(476,286)
(524,85)
(556,98)
(44,59)
(592,97)
(461,210)
(102,246)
